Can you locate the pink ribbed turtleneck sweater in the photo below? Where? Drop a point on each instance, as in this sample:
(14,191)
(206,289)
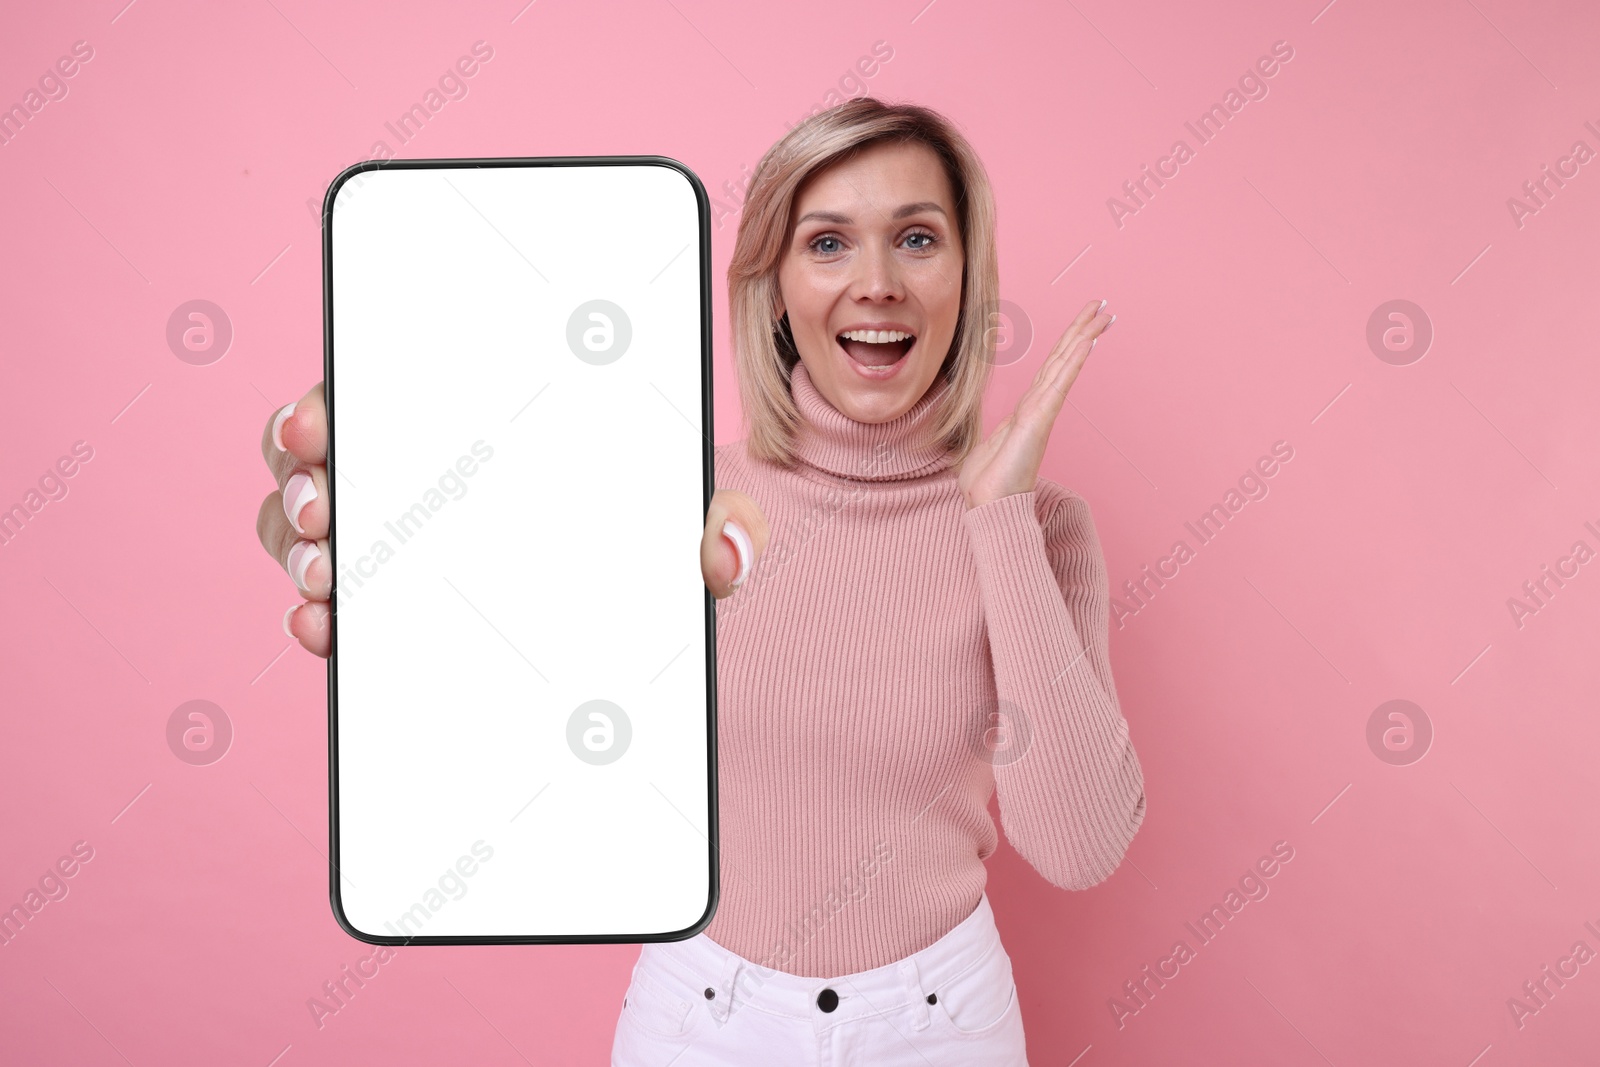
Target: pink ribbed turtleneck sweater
(860,669)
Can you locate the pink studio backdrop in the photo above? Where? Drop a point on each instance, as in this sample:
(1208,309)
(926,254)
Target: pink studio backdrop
(1432,457)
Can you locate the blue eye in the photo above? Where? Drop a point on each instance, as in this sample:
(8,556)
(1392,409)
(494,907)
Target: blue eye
(931,241)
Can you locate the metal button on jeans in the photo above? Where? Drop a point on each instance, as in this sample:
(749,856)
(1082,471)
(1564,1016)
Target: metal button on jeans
(827,1000)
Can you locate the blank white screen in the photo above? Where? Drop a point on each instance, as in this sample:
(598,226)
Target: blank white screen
(517,533)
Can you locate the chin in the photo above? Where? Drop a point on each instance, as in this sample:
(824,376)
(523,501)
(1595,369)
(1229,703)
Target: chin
(867,400)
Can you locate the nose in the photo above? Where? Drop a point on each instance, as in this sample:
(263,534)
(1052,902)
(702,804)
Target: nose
(877,276)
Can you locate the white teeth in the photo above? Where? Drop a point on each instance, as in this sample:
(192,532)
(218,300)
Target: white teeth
(876,337)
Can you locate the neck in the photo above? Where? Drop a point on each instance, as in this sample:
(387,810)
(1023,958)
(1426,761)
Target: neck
(831,441)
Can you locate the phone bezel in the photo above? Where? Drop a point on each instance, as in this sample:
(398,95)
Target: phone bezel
(329,211)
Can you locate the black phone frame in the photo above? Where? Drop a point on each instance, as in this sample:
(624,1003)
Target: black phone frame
(329,208)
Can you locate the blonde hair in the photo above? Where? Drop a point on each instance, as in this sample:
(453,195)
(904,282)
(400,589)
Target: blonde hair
(764,351)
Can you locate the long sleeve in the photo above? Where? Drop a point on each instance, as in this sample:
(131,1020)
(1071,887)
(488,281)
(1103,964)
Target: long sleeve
(854,816)
(1070,785)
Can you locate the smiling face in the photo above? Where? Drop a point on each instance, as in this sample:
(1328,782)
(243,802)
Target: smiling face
(876,247)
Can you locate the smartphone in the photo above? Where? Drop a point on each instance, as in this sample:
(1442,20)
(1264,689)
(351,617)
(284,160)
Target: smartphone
(522,685)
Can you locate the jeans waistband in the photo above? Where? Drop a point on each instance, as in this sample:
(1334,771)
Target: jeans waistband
(699,963)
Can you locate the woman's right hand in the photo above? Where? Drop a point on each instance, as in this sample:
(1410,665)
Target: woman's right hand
(292,522)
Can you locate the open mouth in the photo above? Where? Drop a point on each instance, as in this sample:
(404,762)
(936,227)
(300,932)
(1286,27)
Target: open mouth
(876,348)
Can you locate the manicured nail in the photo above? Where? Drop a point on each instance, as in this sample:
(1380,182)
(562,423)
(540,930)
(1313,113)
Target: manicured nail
(301,556)
(1110,324)
(1101,308)
(743,546)
(292,609)
(299,491)
(277,425)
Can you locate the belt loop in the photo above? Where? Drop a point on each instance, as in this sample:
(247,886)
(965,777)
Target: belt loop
(919,996)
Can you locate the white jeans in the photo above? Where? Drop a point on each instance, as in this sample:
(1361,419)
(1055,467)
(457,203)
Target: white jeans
(692,1003)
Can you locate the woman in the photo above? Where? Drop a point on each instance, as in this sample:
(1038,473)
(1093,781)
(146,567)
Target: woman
(928,624)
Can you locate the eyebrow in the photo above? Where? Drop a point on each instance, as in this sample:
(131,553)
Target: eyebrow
(845,220)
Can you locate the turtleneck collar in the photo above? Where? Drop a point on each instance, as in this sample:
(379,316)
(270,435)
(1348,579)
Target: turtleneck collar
(831,441)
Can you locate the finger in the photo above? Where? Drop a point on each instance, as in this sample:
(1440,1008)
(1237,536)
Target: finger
(1040,405)
(1068,351)
(305,501)
(1057,376)
(305,559)
(1090,323)
(296,434)
(1041,402)
(1080,322)
(1087,313)
(307,622)
(1067,371)
(1045,385)
(721,561)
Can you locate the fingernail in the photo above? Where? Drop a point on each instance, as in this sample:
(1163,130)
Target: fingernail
(1110,324)
(743,546)
(1101,308)
(299,491)
(292,609)
(277,425)
(301,556)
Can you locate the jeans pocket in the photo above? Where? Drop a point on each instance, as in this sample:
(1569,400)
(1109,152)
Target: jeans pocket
(655,1006)
(980,999)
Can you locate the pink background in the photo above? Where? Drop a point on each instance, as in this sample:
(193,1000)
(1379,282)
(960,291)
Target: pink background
(1419,499)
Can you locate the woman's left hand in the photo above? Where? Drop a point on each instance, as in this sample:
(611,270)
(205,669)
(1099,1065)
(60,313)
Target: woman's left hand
(1008,462)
